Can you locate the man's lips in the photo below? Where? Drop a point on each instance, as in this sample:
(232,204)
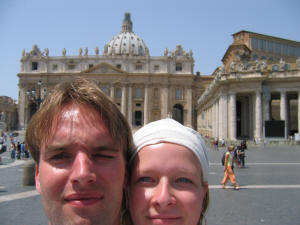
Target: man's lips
(83,199)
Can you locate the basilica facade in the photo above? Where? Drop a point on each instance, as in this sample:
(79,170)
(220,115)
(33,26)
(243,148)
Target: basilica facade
(254,94)
(146,88)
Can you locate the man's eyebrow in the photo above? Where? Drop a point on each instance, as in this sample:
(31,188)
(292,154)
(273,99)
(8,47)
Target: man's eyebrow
(55,147)
(106,148)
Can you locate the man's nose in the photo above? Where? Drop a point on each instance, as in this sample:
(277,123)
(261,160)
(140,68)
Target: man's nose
(82,169)
(163,195)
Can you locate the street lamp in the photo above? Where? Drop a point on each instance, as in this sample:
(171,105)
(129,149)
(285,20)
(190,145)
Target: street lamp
(35,98)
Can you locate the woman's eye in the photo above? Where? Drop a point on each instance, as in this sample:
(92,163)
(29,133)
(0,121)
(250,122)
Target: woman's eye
(184,180)
(145,179)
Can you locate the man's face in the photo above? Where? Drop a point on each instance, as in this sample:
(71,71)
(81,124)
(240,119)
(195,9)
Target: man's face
(81,173)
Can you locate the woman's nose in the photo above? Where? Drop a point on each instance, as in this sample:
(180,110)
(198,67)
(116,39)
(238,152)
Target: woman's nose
(163,194)
(82,169)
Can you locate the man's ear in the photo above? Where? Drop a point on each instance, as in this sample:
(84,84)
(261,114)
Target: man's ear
(37,178)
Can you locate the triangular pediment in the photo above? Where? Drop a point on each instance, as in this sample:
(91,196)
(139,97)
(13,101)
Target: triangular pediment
(103,68)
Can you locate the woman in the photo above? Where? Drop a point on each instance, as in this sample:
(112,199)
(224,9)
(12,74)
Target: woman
(228,172)
(169,171)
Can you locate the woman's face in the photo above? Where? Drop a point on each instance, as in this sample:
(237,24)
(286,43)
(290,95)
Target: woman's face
(166,186)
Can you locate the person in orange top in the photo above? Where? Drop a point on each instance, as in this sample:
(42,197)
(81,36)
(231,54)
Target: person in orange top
(228,172)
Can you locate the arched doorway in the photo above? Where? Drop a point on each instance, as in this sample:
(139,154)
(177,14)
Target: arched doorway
(177,113)
(138,118)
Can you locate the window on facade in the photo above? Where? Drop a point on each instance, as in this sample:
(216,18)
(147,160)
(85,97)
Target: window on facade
(91,65)
(71,66)
(178,67)
(156,67)
(291,51)
(118,93)
(255,57)
(118,66)
(277,48)
(156,93)
(138,104)
(275,67)
(105,90)
(285,50)
(179,95)
(54,67)
(138,93)
(34,65)
(287,67)
(254,43)
(138,67)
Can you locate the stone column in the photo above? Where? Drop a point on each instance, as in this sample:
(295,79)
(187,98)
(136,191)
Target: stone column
(164,101)
(223,116)
(266,110)
(129,103)
(189,107)
(233,116)
(146,105)
(112,92)
(123,100)
(22,103)
(213,120)
(258,116)
(217,119)
(299,112)
(283,112)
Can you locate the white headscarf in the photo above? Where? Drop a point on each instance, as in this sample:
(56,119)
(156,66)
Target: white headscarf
(169,130)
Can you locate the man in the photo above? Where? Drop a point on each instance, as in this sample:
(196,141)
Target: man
(80,141)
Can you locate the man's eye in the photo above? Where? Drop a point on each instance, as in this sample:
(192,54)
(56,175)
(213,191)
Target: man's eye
(60,156)
(103,156)
(184,180)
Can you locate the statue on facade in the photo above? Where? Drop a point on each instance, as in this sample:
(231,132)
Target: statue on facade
(47,52)
(105,49)
(86,51)
(3,116)
(232,66)
(80,51)
(166,52)
(191,53)
(264,65)
(64,51)
(23,52)
(298,63)
(282,63)
(147,51)
(97,51)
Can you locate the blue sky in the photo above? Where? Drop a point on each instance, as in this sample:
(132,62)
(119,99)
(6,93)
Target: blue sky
(205,27)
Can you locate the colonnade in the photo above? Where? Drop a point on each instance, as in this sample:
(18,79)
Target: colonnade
(219,120)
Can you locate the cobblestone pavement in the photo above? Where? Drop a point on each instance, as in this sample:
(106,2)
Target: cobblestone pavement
(269,194)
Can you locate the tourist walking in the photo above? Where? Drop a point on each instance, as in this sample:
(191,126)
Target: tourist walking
(228,172)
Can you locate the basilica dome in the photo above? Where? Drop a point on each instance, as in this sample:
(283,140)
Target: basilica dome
(127,42)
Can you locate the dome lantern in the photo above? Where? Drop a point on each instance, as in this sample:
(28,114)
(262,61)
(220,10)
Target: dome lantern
(126,43)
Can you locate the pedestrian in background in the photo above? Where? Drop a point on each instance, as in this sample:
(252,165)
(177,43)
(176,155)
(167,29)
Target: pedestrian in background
(12,148)
(241,155)
(228,172)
